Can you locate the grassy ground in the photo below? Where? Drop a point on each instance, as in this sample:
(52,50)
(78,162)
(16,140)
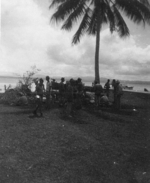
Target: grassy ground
(96,145)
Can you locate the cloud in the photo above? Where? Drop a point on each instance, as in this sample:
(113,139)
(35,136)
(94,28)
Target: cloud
(29,39)
(123,56)
(26,35)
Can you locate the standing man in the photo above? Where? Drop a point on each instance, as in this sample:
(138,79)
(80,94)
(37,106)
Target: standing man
(114,90)
(98,92)
(48,92)
(79,92)
(69,98)
(119,93)
(62,91)
(39,97)
(107,87)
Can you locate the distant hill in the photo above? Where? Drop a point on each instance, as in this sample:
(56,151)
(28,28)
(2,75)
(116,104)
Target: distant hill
(84,79)
(16,77)
(135,82)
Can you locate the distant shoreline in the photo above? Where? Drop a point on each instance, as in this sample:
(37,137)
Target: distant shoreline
(84,78)
(137,86)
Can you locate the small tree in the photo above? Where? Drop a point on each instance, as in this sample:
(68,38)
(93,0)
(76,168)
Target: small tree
(28,78)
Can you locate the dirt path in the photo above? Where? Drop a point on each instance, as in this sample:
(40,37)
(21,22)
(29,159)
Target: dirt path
(85,149)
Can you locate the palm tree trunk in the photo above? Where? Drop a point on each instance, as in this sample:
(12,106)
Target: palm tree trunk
(97,76)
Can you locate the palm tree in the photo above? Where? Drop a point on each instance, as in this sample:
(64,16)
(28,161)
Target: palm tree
(94,13)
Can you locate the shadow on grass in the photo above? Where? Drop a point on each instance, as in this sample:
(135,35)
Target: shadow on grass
(121,111)
(73,119)
(17,112)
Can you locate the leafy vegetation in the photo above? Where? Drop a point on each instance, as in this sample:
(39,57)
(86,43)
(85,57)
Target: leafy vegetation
(28,78)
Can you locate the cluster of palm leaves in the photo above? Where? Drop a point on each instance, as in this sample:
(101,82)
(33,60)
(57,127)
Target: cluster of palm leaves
(92,14)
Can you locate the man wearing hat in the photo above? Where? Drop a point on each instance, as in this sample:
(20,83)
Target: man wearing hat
(62,90)
(48,92)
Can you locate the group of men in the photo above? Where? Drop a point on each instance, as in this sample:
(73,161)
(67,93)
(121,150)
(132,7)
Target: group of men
(68,92)
(71,94)
(102,95)
(73,91)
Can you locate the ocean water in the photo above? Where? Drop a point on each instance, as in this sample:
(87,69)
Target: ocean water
(136,86)
(8,81)
(13,82)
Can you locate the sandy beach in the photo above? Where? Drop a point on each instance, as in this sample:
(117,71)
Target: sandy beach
(95,145)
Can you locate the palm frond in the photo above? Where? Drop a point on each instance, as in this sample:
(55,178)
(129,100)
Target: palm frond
(97,14)
(144,10)
(64,9)
(146,3)
(111,18)
(93,22)
(105,19)
(83,27)
(121,26)
(56,2)
(134,10)
(74,16)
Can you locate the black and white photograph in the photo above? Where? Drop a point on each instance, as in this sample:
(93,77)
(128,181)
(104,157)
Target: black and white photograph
(75,91)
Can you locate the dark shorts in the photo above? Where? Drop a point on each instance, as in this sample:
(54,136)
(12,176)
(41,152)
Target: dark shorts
(48,95)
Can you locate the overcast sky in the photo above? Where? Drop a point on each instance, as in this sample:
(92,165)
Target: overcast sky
(28,38)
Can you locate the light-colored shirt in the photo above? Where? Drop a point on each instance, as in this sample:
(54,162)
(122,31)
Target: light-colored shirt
(48,86)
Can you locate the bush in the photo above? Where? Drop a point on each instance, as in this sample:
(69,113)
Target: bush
(24,84)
